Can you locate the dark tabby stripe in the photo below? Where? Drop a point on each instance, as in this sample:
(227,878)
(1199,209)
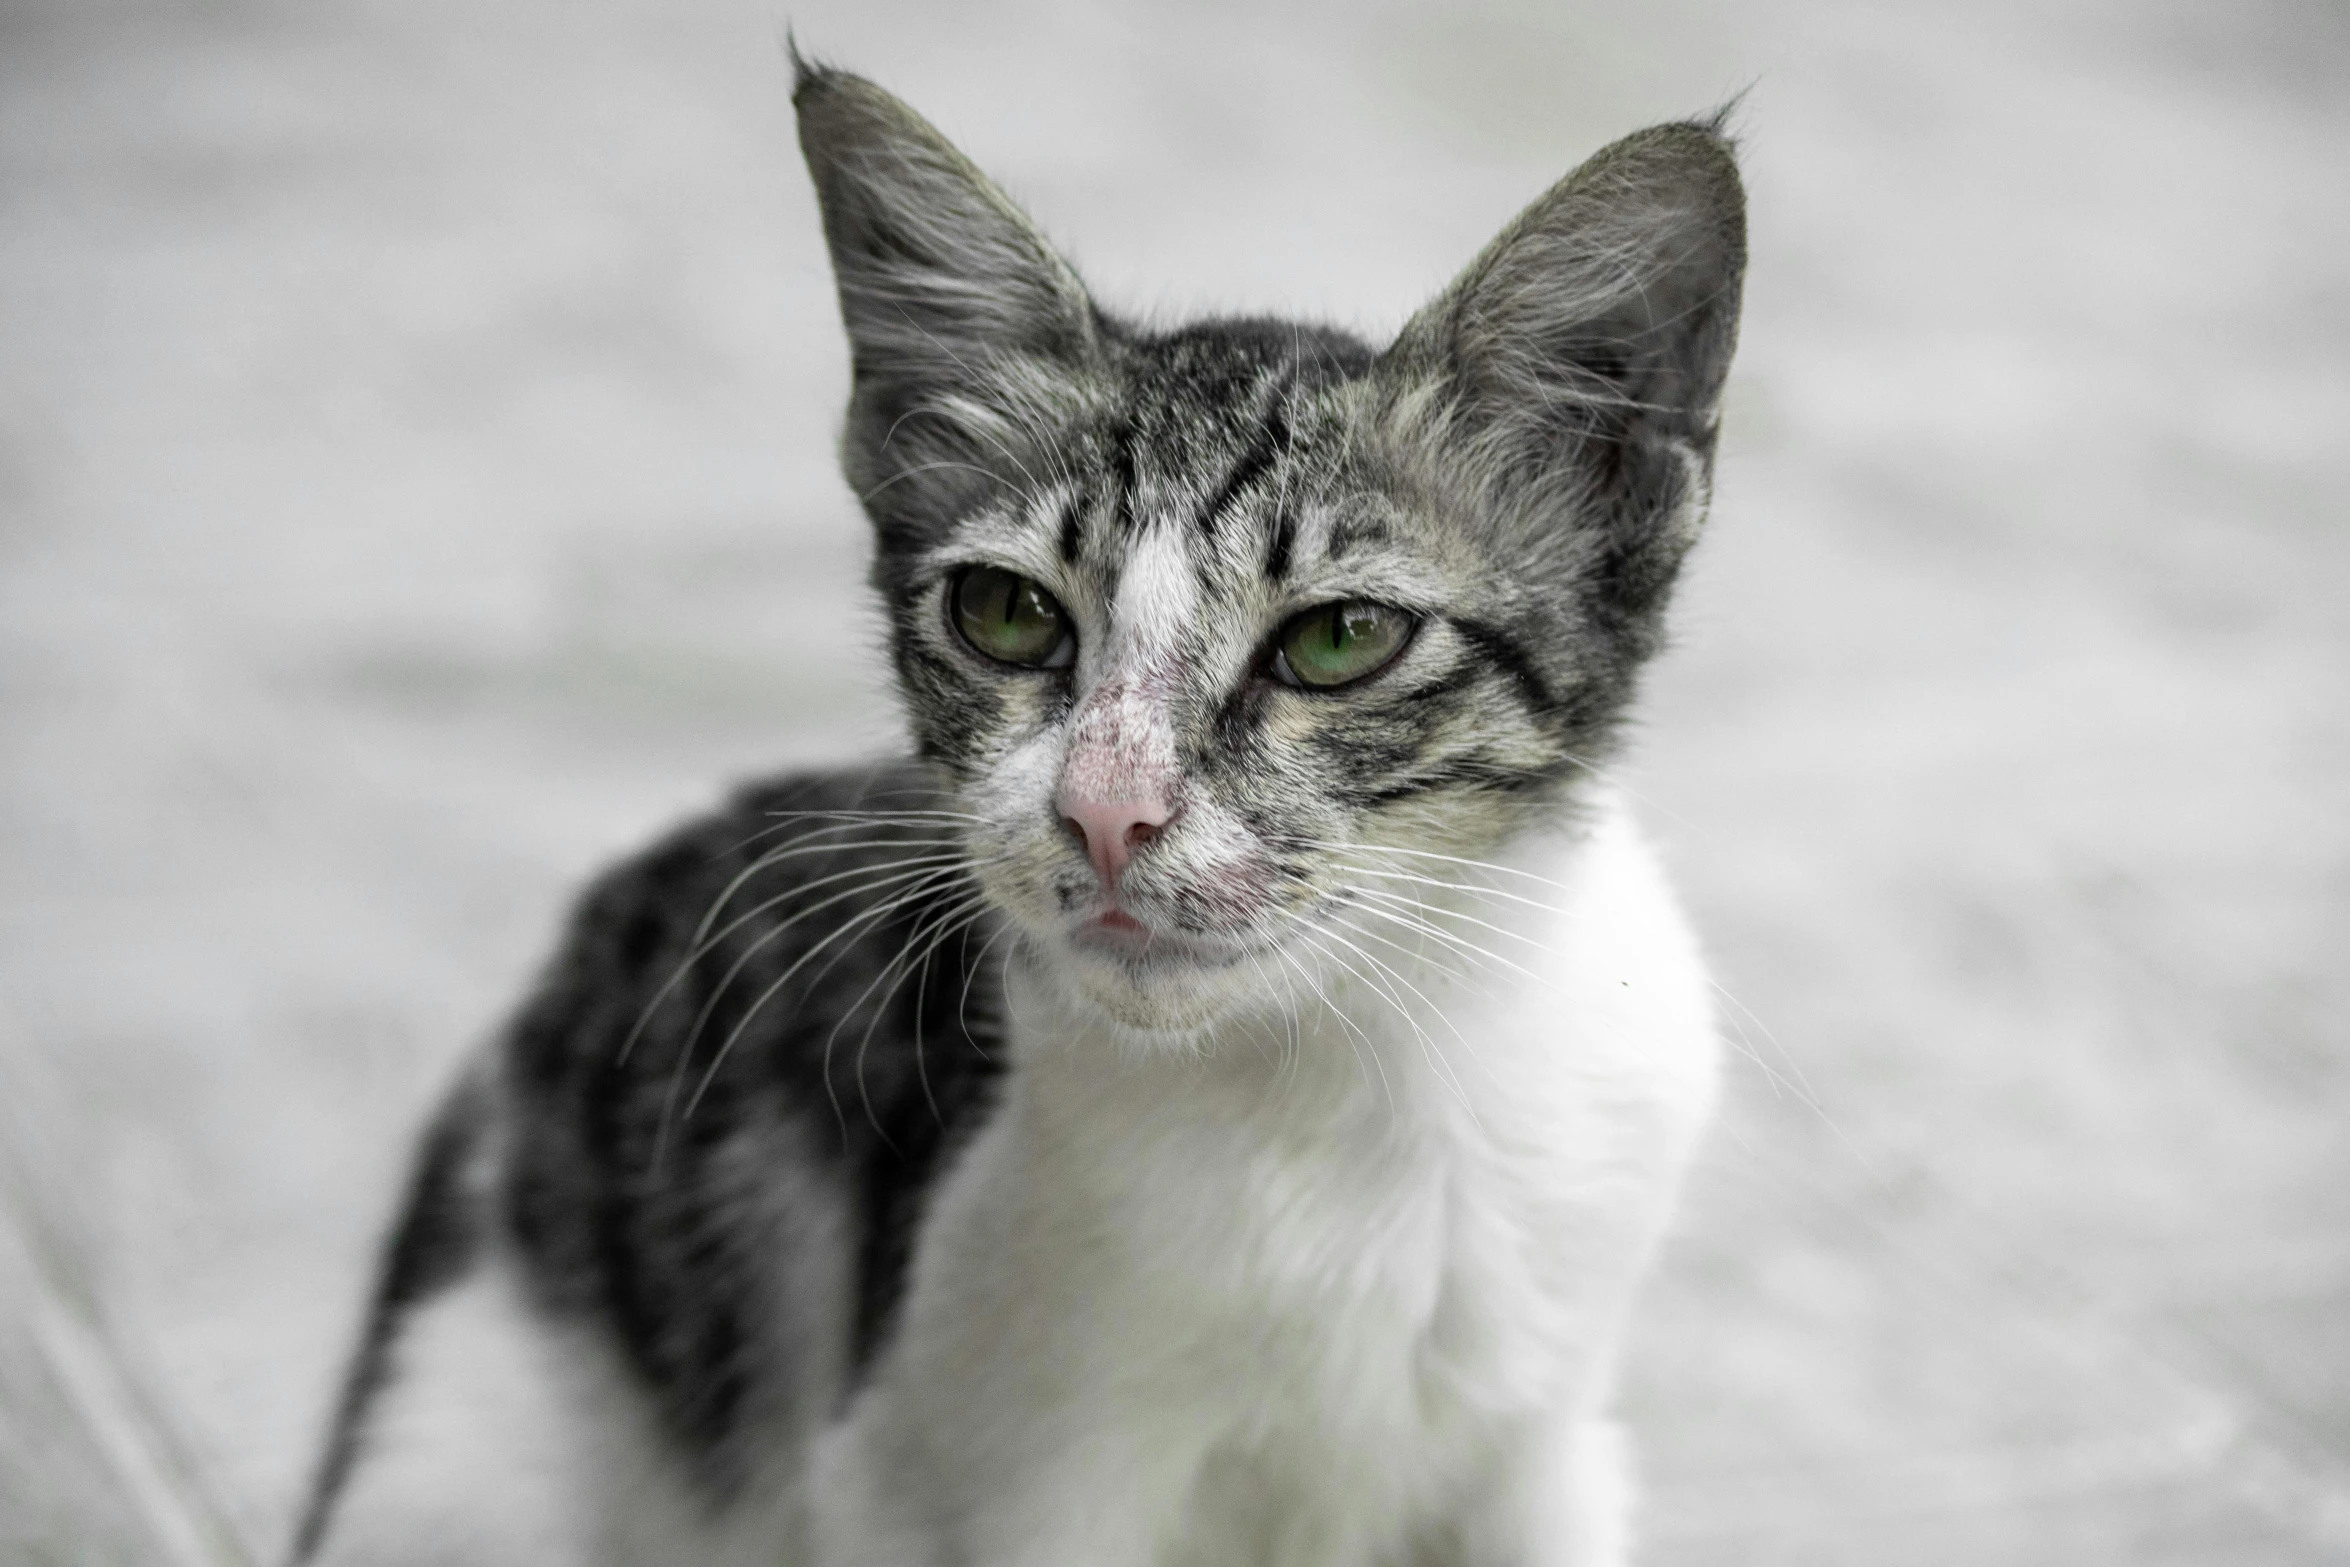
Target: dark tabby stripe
(1270,444)
(1277,551)
(1122,473)
(1503,651)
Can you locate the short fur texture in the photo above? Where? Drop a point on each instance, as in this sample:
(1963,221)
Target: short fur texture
(903,1166)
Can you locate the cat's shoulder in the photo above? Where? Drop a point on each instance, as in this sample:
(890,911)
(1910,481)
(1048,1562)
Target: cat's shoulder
(812,935)
(713,879)
(831,813)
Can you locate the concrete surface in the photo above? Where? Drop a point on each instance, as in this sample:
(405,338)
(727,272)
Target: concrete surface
(415,487)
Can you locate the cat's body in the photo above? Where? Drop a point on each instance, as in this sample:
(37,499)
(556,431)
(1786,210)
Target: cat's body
(1214,1105)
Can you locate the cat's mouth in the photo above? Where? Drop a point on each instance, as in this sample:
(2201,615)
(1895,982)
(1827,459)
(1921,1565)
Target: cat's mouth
(1155,978)
(1134,943)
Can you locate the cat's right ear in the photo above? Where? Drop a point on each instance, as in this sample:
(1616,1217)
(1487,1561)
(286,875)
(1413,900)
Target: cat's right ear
(946,287)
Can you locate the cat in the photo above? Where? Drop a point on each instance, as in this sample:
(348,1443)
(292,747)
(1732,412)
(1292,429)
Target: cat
(1212,1101)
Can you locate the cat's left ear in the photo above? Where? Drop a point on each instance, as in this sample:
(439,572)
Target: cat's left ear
(945,285)
(1577,365)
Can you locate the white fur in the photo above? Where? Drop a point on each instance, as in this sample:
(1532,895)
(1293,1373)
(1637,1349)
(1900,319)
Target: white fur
(478,1451)
(504,1440)
(1332,1296)
(1304,1304)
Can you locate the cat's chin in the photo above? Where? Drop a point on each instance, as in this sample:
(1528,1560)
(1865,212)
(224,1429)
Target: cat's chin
(1162,998)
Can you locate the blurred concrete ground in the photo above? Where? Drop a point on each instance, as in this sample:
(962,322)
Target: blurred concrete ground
(415,487)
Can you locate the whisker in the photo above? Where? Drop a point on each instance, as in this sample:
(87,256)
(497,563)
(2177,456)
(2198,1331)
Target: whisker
(1420,854)
(856,924)
(1742,1044)
(921,1059)
(1417,955)
(1457,942)
(847,814)
(783,820)
(1428,1050)
(1468,887)
(1424,920)
(704,944)
(963,1002)
(932,467)
(1354,1032)
(1428,1046)
(794,850)
(960,910)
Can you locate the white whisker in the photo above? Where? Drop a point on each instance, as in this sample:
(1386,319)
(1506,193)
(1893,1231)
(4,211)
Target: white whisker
(1429,1049)
(856,924)
(878,876)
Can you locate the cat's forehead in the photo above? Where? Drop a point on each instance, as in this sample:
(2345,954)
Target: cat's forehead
(1196,395)
(1228,434)
(1208,363)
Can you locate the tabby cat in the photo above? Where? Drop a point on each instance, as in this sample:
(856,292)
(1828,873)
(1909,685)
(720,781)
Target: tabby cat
(1211,1102)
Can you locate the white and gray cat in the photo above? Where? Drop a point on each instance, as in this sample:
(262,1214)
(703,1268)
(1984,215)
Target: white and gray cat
(1211,1104)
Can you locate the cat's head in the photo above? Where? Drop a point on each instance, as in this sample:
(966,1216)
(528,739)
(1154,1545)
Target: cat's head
(1204,627)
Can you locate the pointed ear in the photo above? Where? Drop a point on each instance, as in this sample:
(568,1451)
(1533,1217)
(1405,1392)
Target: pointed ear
(944,283)
(1581,357)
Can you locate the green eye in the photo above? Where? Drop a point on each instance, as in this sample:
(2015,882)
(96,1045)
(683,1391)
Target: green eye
(1340,643)
(1011,619)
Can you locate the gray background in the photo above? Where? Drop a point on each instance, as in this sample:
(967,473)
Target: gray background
(415,487)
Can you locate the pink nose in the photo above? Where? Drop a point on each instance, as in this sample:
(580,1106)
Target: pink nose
(1111,831)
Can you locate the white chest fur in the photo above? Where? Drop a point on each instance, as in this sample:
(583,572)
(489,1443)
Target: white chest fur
(1315,1291)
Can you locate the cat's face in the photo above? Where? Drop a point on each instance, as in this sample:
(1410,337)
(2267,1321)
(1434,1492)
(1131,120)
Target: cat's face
(1224,635)
(1204,596)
